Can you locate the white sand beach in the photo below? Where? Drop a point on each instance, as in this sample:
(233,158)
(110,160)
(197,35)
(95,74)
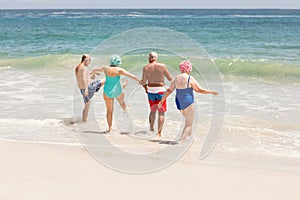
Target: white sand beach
(31,171)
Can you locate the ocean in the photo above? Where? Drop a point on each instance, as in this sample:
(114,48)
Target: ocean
(257,53)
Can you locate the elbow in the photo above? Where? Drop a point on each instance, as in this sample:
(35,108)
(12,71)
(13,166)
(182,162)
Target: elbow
(200,91)
(168,92)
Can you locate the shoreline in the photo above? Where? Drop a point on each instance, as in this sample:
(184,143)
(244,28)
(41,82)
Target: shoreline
(40,171)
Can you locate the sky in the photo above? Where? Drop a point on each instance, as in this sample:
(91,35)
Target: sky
(32,4)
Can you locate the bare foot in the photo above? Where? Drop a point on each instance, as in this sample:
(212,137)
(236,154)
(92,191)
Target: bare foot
(159,134)
(109,130)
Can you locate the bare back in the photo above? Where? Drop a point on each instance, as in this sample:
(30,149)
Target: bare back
(154,73)
(82,78)
(181,81)
(112,71)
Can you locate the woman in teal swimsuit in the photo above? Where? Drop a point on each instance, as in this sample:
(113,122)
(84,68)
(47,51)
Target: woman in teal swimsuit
(185,85)
(113,88)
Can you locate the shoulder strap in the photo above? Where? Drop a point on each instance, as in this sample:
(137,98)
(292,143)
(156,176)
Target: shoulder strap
(188,84)
(117,72)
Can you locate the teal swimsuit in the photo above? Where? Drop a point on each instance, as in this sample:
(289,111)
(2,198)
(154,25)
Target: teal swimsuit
(112,87)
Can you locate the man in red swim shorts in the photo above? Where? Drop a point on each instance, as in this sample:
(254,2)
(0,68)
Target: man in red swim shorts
(153,82)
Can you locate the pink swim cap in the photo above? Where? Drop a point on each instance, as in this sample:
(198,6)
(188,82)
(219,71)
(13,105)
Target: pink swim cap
(185,66)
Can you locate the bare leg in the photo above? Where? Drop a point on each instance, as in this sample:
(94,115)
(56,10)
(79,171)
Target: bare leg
(161,120)
(85,111)
(109,111)
(122,101)
(152,120)
(188,113)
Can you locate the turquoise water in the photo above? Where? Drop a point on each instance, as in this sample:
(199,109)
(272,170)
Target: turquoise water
(254,41)
(247,34)
(256,51)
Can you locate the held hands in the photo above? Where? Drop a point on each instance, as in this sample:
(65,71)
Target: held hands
(160,104)
(95,72)
(145,87)
(93,75)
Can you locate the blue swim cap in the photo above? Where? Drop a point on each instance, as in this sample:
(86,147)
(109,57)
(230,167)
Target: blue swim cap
(115,60)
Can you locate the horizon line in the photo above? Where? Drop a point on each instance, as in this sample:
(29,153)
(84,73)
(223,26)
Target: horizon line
(141,8)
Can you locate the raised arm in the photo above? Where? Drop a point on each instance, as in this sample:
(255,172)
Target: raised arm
(98,70)
(196,87)
(167,93)
(125,73)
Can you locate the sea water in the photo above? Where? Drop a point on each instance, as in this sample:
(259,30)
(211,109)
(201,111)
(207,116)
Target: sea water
(256,52)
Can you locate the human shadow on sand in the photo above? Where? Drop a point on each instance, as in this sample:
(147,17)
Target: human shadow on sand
(167,142)
(95,132)
(143,135)
(124,133)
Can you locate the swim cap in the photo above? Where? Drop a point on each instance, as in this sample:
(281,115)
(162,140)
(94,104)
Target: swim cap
(115,60)
(185,66)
